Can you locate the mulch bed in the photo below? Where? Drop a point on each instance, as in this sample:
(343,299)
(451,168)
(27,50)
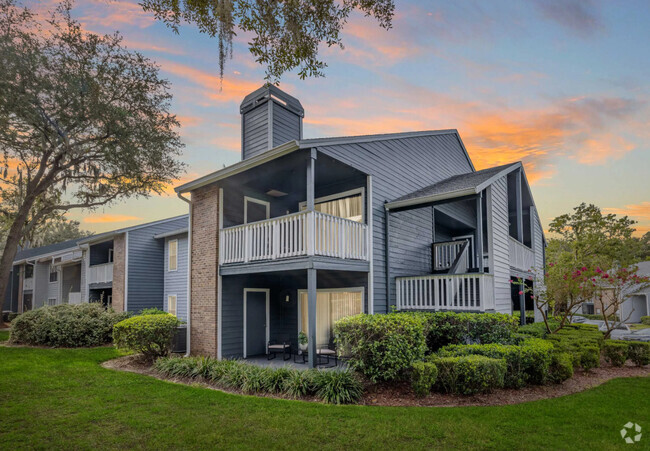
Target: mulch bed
(400,394)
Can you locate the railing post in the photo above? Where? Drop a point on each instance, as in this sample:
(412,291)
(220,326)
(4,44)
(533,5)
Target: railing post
(247,244)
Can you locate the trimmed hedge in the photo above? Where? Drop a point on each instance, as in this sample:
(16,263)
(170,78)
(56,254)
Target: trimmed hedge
(639,352)
(615,352)
(67,325)
(468,375)
(381,347)
(579,340)
(423,377)
(527,363)
(450,328)
(589,358)
(645,320)
(150,335)
(561,367)
(333,387)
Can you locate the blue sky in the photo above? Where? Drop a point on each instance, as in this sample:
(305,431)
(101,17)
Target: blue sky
(561,85)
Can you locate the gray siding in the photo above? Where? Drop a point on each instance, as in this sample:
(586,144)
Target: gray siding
(399,167)
(538,244)
(146,265)
(255,132)
(286,125)
(176,281)
(500,250)
(53,287)
(41,282)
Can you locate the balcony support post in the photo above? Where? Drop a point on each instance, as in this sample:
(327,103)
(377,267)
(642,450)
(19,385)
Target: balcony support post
(519,207)
(311,224)
(311,317)
(479,233)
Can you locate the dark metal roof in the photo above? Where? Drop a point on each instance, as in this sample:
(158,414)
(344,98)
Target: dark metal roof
(44,250)
(459,185)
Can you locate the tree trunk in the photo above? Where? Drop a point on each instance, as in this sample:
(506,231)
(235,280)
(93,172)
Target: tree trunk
(11,245)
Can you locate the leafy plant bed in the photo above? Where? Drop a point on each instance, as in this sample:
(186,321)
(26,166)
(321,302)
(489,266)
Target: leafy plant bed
(401,394)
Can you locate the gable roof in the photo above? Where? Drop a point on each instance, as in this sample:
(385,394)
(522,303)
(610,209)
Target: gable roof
(292,146)
(44,250)
(455,186)
(56,248)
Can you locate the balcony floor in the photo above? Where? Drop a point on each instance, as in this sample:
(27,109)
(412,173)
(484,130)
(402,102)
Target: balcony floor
(296,263)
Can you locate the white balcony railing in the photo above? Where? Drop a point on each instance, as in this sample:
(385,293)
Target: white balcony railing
(28,284)
(288,236)
(100,273)
(74,298)
(461,292)
(521,256)
(444,254)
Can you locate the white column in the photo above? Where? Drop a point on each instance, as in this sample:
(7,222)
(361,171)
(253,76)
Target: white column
(311,316)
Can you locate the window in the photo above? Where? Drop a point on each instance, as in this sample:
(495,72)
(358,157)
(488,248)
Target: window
(348,205)
(331,306)
(172,248)
(171,304)
(51,301)
(110,256)
(29,271)
(54,274)
(256,210)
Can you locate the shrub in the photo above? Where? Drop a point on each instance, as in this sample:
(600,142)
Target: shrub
(382,347)
(561,367)
(423,377)
(233,375)
(13,315)
(589,358)
(151,335)
(527,363)
(467,375)
(152,311)
(338,387)
(639,352)
(615,352)
(274,382)
(299,383)
(574,338)
(254,378)
(445,328)
(66,325)
(177,366)
(645,320)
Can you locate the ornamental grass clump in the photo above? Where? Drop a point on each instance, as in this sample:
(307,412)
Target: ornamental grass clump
(338,387)
(299,384)
(149,335)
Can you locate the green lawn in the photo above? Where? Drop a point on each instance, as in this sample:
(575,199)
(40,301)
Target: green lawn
(64,399)
(4,335)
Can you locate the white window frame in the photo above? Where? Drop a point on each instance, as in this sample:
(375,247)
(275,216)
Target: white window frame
(349,193)
(169,296)
(268,315)
(248,199)
(361,290)
(56,271)
(169,256)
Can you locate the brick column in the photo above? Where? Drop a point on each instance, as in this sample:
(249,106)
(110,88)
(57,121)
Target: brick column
(205,266)
(119,272)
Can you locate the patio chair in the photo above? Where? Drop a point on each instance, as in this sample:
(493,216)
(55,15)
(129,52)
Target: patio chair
(274,348)
(328,352)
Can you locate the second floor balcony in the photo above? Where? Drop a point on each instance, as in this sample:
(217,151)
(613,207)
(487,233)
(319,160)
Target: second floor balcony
(100,273)
(299,234)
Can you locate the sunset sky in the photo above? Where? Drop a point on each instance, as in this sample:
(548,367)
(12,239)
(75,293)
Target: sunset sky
(562,85)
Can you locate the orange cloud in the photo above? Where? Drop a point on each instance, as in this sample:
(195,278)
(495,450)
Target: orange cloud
(106,218)
(637,211)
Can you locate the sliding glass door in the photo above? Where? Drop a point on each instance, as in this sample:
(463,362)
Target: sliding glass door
(331,305)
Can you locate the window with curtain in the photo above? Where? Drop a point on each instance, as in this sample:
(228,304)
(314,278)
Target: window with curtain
(173,255)
(331,306)
(348,207)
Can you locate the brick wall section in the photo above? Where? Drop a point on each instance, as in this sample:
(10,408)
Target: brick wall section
(119,271)
(205,262)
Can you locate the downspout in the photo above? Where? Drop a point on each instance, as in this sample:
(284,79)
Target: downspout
(387,254)
(189,269)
